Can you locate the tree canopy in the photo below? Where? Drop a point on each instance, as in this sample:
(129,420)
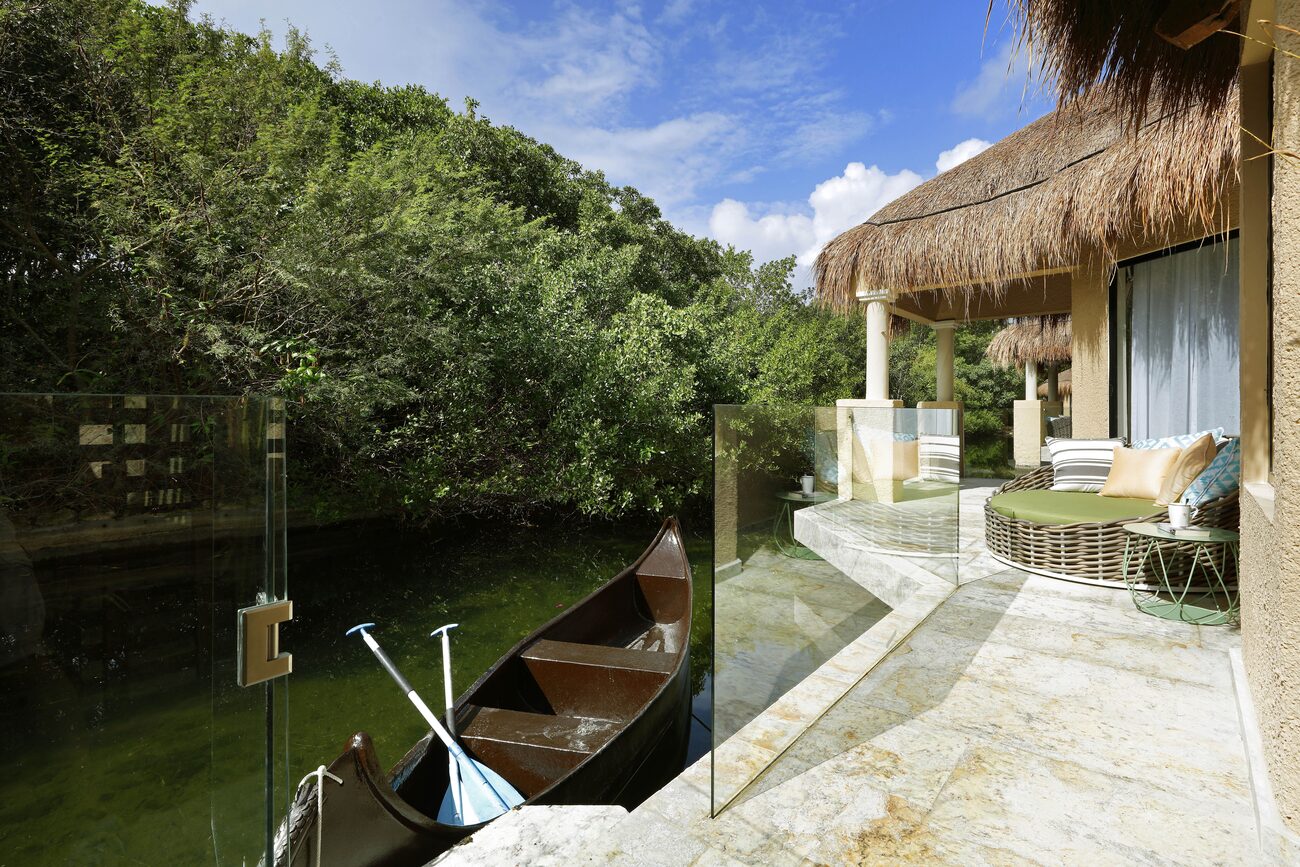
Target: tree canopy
(461,319)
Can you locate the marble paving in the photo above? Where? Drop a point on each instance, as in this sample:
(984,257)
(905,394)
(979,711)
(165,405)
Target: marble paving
(1025,721)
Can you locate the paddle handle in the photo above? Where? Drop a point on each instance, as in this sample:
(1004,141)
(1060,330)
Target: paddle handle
(446,680)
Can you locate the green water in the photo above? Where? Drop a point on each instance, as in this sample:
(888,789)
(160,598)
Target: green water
(105,768)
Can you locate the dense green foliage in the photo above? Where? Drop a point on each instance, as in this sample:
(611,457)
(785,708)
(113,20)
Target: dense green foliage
(462,319)
(986,391)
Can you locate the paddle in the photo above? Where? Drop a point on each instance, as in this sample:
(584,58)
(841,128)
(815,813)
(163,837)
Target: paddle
(487,795)
(456,786)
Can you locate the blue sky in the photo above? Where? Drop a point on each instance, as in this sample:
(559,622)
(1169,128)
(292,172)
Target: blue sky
(771,126)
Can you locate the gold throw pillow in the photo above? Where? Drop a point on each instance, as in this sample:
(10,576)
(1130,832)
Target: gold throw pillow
(1191,463)
(1139,473)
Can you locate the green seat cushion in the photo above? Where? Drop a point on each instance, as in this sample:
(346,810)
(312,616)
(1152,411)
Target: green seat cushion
(1070,507)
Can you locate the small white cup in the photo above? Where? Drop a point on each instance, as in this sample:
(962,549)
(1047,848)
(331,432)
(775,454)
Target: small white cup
(1180,515)
(806,483)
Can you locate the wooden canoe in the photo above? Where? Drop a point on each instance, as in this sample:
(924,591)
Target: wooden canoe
(592,708)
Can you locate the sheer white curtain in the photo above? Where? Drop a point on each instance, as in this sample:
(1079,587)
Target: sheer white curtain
(1183,343)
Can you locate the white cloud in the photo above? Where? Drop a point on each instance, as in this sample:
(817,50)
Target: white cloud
(826,134)
(769,237)
(666,161)
(836,204)
(577,65)
(1000,88)
(676,10)
(958,154)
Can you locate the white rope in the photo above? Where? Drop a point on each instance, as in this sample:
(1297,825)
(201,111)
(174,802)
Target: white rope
(320,774)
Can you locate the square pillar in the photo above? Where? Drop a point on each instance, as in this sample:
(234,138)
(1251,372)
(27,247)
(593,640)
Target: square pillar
(861,477)
(1090,363)
(1030,430)
(943,360)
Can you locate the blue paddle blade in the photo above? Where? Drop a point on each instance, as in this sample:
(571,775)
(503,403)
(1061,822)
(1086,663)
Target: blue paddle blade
(479,804)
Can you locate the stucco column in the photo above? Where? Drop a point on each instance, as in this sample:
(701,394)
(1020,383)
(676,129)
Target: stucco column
(943,360)
(1053,385)
(1090,352)
(1031,380)
(877,348)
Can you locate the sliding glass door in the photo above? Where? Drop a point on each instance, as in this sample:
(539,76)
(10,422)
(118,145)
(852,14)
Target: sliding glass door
(1177,324)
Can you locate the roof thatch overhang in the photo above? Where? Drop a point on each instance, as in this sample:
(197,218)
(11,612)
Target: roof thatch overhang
(1186,50)
(1078,185)
(1041,339)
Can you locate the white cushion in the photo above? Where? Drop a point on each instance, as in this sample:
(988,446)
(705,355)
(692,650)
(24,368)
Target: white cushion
(1081,465)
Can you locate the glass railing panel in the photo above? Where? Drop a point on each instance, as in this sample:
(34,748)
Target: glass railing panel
(781,610)
(131,530)
(907,466)
(826,519)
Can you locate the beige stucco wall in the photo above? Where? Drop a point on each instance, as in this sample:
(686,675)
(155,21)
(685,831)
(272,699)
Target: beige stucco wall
(1029,428)
(1090,364)
(1271,543)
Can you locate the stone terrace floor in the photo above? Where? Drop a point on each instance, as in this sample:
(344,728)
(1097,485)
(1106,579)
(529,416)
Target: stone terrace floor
(1026,721)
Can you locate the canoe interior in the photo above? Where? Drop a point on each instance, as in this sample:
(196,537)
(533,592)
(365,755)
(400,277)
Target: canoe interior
(574,687)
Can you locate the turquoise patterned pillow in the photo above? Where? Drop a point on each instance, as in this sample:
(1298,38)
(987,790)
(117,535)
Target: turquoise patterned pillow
(1220,478)
(1181,441)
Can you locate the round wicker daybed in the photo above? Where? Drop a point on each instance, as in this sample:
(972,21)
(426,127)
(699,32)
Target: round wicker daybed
(1088,552)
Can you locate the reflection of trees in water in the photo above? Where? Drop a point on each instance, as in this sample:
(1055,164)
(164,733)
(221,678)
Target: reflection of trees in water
(65,459)
(22,608)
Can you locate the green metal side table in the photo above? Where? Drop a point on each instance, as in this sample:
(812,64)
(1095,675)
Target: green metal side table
(1213,603)
(783,526)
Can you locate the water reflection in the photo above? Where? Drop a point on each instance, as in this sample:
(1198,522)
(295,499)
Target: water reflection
(108,673)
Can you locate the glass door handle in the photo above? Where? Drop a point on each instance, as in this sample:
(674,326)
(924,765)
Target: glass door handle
(260,658)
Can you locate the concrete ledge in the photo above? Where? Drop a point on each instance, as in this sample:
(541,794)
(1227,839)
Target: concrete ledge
(727,570)
(535,835)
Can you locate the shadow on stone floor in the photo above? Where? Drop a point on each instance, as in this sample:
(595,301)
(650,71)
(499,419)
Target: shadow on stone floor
(777,622)
(852,721)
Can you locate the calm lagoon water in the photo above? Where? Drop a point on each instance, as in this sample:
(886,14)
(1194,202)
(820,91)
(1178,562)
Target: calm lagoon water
(97,775)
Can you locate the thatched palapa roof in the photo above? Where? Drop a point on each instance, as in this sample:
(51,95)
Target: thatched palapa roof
(1064,385)
(1184,49)
(1042,339)
(1075,184)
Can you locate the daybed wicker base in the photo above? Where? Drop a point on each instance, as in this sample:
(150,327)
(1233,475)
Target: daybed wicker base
(1091,553)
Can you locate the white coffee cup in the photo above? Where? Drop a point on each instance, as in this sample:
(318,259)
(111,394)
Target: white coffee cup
(1180,515)
(807,483)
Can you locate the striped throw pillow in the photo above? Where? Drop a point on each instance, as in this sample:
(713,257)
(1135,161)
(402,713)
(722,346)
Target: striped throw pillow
(1180,441)
(1220,478)
(1081,465)
(940,458)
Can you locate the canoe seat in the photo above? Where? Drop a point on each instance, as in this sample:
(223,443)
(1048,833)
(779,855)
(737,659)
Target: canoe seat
(595,680)
(531,750)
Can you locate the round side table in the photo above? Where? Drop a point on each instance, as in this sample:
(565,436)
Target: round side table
(783,526)
(1216,604)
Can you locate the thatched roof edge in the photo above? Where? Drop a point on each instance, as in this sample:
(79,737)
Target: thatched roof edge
(1118,43)
(1076,185)
(1043,339)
